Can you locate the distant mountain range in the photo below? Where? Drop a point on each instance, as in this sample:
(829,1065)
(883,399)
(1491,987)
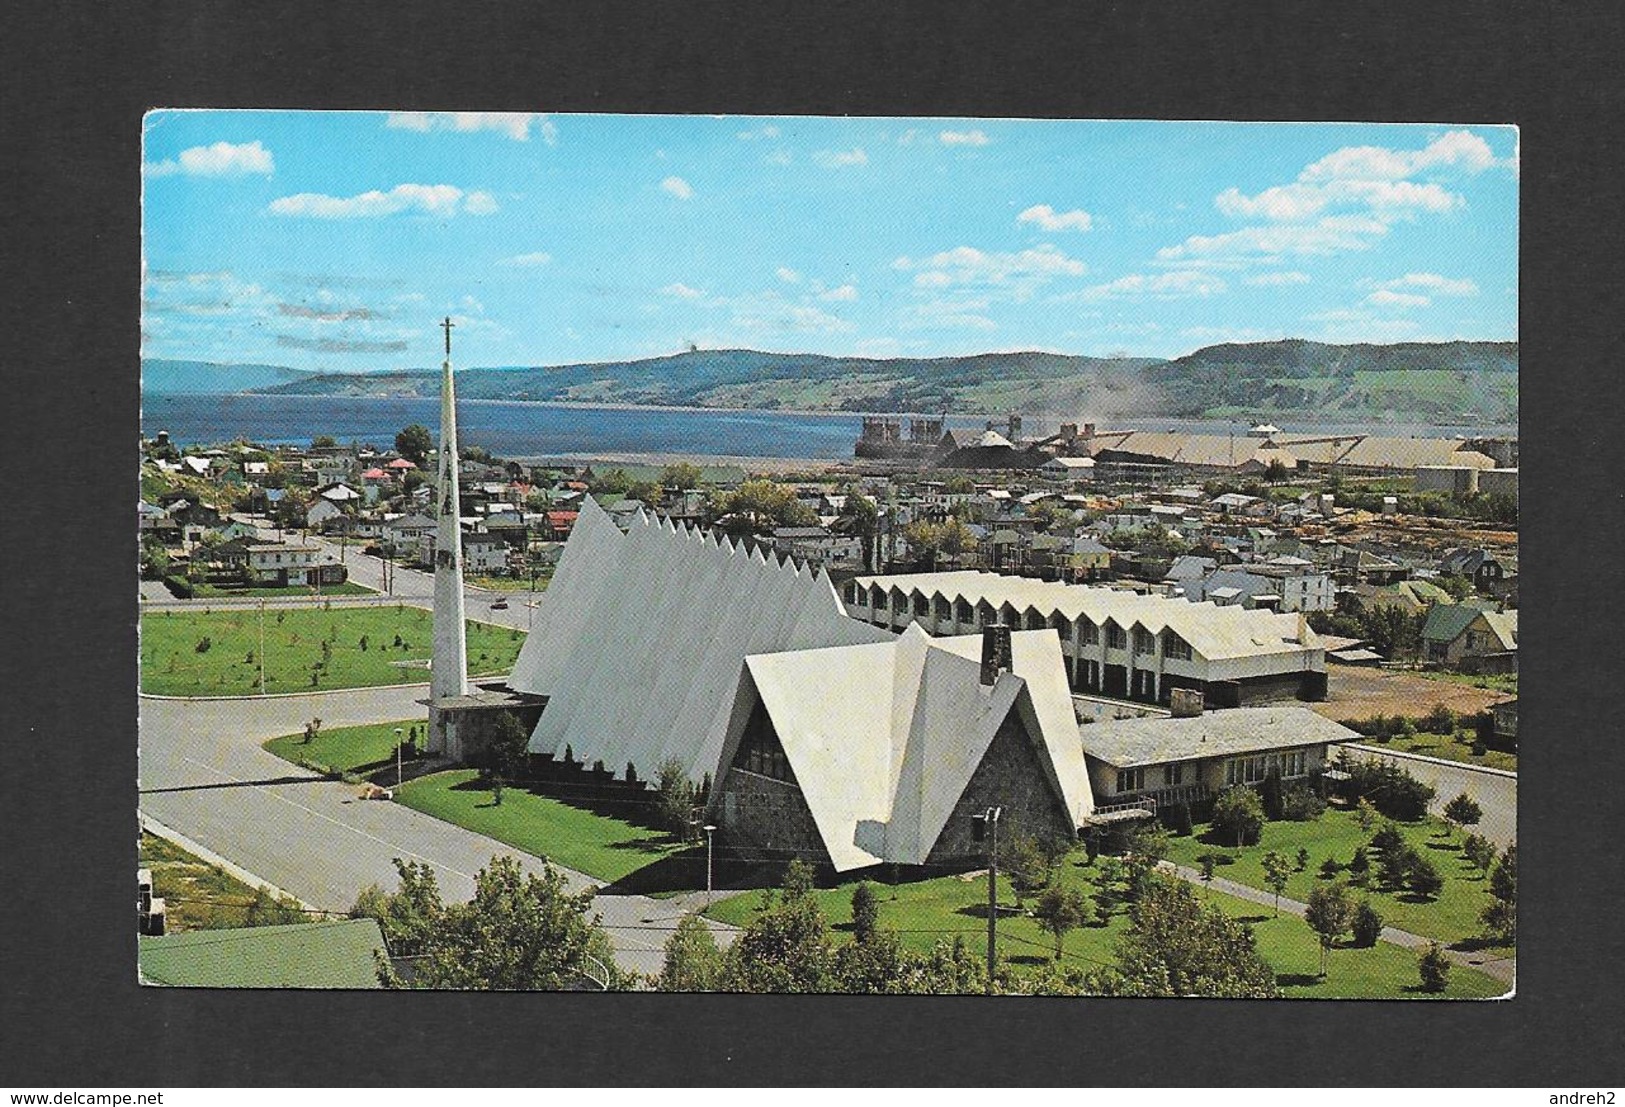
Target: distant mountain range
(161,375)
(1448,380)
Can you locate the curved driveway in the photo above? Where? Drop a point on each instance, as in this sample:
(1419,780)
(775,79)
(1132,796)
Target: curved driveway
(202,772)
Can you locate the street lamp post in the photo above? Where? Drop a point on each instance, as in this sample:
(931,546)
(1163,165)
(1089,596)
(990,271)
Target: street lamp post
(985,827)
(262,645)
(398,773)
(709,831)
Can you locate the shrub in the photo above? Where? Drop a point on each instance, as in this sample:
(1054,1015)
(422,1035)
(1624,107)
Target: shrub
(1434,969)
(1238,816)
(1329,868)
(1270,792)
(1360,862)
(1367,925)
(1441,720)
(1300,804)
(1179,819)
(203,644)
(1303,858)
(1391,790)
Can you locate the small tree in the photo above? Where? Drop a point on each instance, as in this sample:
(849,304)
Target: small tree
(312,729)
(1276,872)
(692,961)
(1422,876)
(1501,916)
(1059,910)
(1027,864)
(1303,858)
(1272,795)
(675,799)
(1434,968)
(1480,851)
(1366,925)
(865,912)
(507,753)
(1207,868)
(1238,815)
(1329,913)
(1329,869)
(1463,811)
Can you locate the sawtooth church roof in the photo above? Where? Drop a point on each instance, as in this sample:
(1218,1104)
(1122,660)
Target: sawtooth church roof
(640,639)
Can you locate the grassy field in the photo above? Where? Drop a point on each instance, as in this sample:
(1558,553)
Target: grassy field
(1447,747)
(296,591)
(944,908)
(173,665)
(348,748)
(1452,917)
(510,585)
(1495,682)
(604,848)
(198,895)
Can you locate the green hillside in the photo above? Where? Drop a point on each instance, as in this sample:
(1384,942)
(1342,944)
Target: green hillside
(1436,381)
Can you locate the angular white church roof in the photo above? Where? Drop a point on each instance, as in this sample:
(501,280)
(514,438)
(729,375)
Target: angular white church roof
(640,640)
(884,738)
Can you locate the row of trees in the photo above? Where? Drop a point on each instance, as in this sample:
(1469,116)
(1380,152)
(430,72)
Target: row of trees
(1175,945)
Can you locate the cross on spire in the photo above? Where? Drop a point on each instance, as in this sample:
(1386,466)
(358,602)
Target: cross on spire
(447,325)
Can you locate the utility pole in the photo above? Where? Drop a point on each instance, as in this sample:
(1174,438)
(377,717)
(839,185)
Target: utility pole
(985,827)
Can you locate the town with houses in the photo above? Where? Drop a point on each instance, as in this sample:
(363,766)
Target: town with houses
(1261,672)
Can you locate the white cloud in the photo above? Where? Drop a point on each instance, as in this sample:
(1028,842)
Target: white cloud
(1286,203)
(946,315)
(1277,279)
(965,265)
(1328,235)
(770,312)
(788,275)
(840,159)
(909,137)
(1385,297)
(1433,283)
(440,199)
(846,293)
(1049,219)
(515,124)
(1455,149)
(678,187)
(681,291)
(779,157)
(219,160)
(963,138)
(526,261)
(1179,284)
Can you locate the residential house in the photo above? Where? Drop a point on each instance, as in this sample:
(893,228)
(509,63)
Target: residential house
(279,563)
(1470,637)
(1477,565)
(484,553)
(1190,759)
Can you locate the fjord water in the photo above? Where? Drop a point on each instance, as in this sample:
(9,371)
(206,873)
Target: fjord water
(529,429)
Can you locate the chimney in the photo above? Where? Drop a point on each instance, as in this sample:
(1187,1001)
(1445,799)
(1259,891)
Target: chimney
(1303,627)
(1015,429)
(995,652)
(1185,703)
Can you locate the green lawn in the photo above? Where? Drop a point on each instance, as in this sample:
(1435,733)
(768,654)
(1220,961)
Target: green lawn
(196,894)
(172,665)
(604,848)
(927,911)
(347,748)
(295,591)
(511,585)
(1448,748)
(1494,682)
(1452,917)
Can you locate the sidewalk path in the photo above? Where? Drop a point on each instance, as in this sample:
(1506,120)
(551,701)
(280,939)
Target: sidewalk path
(1503,969)
(203,773)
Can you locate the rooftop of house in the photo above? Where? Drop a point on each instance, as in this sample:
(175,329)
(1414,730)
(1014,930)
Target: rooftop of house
(1128,743)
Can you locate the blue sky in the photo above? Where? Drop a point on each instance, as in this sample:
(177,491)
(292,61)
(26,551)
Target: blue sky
(337,240)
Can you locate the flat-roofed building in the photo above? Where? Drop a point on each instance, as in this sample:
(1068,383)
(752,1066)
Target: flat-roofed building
(1113,642)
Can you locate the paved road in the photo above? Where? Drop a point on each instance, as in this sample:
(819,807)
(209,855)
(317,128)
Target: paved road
(202,772)
(1496,794)
(1504,969)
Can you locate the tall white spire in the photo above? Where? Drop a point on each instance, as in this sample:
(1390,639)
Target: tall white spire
(449,675)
